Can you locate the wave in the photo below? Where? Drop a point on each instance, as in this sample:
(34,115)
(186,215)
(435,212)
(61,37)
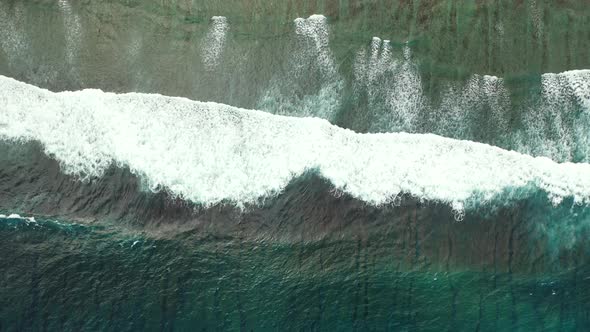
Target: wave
(364,84)
(542,115)
(210,153)
(16,216)
(314,86)
(214,42)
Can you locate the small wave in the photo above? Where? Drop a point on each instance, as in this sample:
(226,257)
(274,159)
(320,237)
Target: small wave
(214,42)
(17,216)
(209,152)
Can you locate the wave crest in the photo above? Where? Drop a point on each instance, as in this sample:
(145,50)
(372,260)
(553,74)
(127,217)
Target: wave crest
(209,152)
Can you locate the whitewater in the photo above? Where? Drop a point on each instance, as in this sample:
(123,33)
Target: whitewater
(210,153)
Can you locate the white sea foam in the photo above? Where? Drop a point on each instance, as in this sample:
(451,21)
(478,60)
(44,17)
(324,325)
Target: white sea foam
(579,83)
(558,124)
(395,84)
(315,30)
(73,35)
(214,42)
(13,41)
(555,123)
(208,152)
(18,216)
(314,86)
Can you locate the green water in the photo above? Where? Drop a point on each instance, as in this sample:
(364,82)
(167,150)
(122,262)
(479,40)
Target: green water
(61,277)
(99,258)
(261,61)
(154,46)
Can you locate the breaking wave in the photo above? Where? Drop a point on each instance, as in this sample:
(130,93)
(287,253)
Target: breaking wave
(210,153)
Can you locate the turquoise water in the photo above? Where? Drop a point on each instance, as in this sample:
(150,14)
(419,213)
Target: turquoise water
(71,277)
